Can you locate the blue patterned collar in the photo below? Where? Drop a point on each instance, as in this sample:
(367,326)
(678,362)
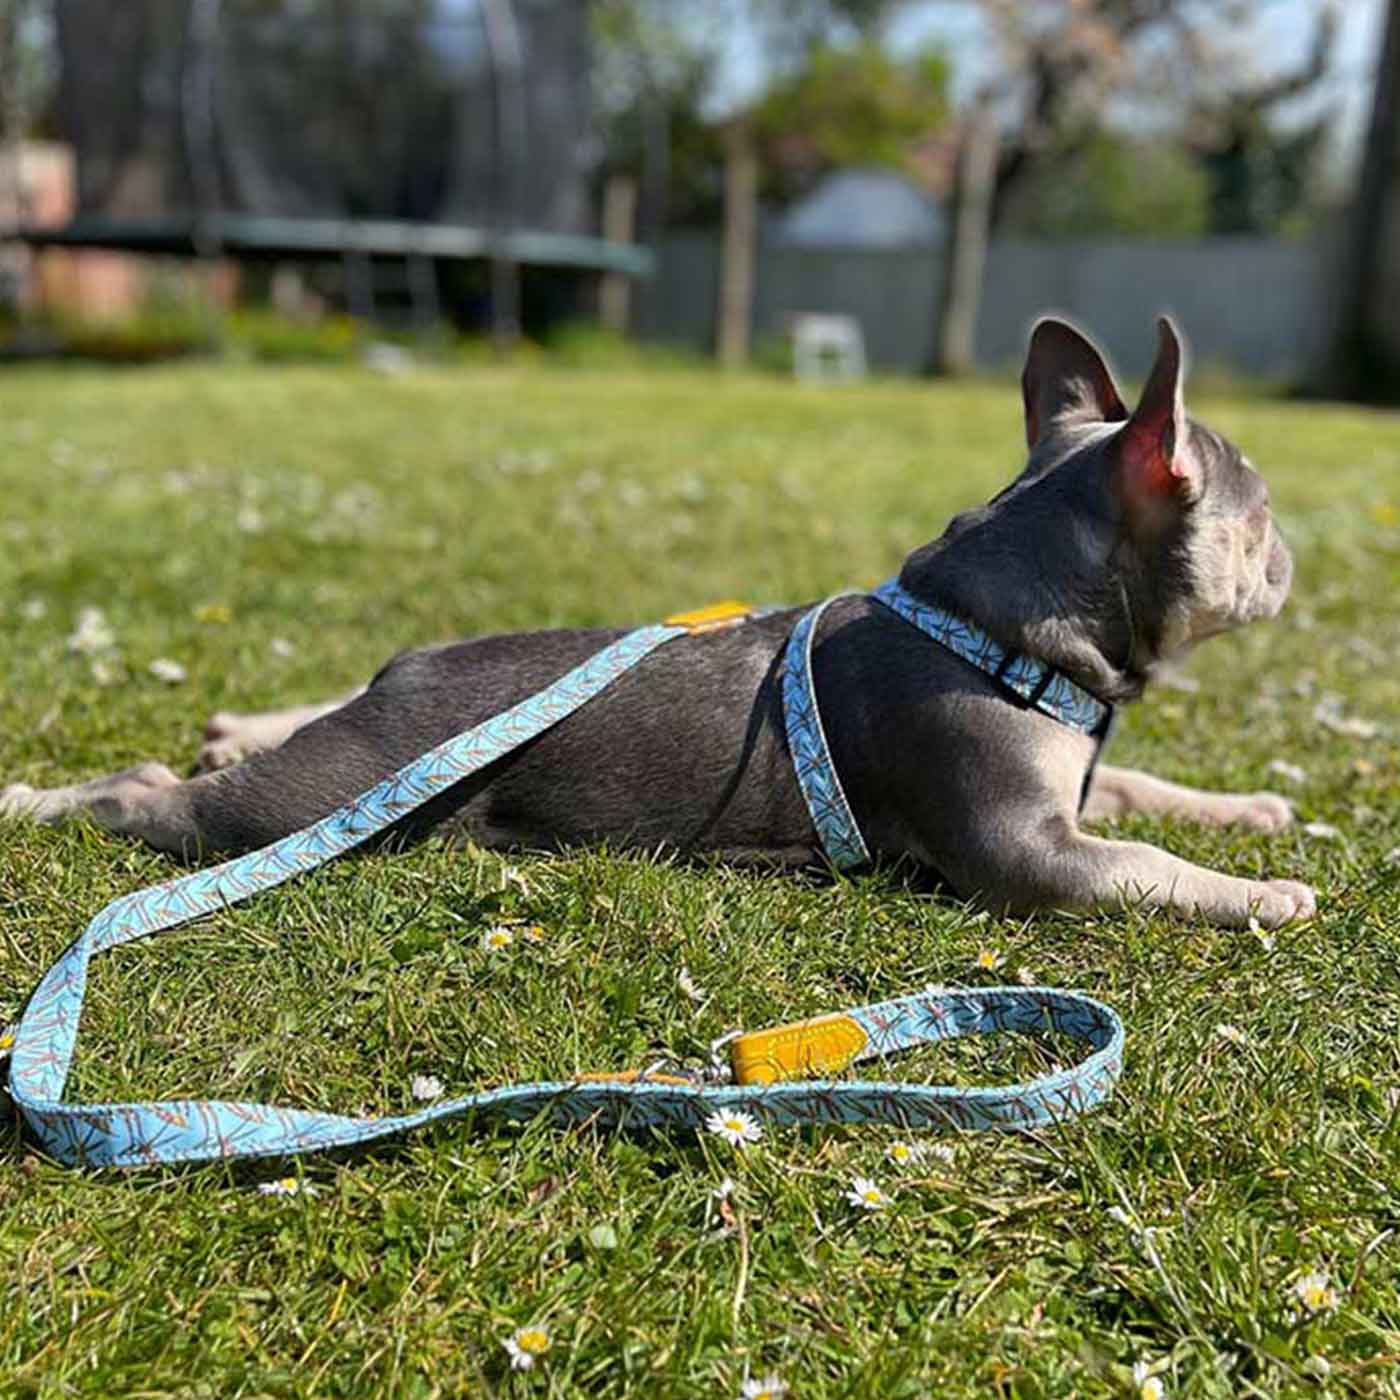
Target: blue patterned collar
(1048,690)
(1042,686)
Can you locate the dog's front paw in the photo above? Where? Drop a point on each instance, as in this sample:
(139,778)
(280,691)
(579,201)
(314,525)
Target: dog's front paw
(1260,811)
(1279,902)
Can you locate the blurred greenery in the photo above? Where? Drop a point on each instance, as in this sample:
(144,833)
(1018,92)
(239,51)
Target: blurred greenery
(1110,185)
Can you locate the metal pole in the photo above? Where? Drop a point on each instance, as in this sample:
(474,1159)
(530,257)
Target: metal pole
(201,154)
(12,211)
(507,63)
(966,250)
(737,251)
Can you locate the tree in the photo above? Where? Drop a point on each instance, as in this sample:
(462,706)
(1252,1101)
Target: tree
(654,66)
(655,69)
(1364,357)
(1262,174)
(1066,62)
(1110,184)
(847,106)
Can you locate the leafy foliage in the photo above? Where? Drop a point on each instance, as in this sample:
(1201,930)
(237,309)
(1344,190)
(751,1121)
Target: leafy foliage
(850,106)
(1111,185)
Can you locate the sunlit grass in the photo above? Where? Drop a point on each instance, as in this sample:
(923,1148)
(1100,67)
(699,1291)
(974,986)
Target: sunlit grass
(279,534)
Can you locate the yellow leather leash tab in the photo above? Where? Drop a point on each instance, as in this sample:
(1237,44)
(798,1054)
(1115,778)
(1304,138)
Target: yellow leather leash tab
(631,1076)
(821,1045)
(729,613)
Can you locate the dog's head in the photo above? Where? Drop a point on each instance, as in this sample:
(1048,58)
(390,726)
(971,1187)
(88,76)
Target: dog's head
(1193,510)
(1129,536)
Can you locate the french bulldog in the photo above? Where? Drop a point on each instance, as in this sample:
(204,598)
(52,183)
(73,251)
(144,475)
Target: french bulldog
(1125,540)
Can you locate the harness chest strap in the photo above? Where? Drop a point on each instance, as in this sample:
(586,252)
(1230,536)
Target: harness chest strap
(1039,685)
(113,1134)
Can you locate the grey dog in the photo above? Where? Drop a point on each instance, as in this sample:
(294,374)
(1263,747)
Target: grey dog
(1125,540)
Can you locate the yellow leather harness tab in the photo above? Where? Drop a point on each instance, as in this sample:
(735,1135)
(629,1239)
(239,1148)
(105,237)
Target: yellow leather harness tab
(710,619)
(822,1045)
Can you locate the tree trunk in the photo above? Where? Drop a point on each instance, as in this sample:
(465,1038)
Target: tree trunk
(619,226)
(966,249)
(1364,359)
(740,236)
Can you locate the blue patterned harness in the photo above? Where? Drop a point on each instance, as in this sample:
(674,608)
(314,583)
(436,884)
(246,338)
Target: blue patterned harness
(42,1045)
(1039,685)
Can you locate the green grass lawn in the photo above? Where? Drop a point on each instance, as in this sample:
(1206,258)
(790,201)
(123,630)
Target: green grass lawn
(279,534)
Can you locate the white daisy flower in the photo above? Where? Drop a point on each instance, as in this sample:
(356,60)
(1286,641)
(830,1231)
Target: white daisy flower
(943,1151)
(1233,1034)
(905,1154)
(498,939)
(426,1087)
(532,933)
(281,647)
(1322,831)
(770,1387)
(164,669)
(92,634)
(286,1186)
(735,1127)
(32,609)
(989,960)
(1292,771)
(1146,1386)
(526,1345)
(1316,1294)
(687,985)
(866,1195)
(1025,977)
(1329,714)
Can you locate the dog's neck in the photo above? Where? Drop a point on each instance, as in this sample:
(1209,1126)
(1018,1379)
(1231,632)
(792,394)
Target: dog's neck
(1060,586)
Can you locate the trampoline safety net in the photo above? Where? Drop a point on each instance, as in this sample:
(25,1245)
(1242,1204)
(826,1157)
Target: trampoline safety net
(468,112)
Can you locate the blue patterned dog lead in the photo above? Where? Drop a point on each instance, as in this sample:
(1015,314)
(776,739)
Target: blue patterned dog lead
(186,1130)
(1041,686)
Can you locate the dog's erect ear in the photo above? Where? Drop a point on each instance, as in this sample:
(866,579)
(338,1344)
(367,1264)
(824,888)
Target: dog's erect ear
(1154,466)
(1065,379)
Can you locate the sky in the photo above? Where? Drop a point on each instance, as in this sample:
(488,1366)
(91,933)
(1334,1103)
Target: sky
(1283,30)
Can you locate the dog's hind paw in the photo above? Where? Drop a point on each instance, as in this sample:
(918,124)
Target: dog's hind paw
(224,752)
(1260,811)
(18,800)
(230,738)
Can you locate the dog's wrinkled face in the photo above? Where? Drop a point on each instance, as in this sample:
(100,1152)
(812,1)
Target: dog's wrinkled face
(1237,567)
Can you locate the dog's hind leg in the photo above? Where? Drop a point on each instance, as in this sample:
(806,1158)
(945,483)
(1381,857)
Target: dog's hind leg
(230,738)
(147,802)
(1116,792)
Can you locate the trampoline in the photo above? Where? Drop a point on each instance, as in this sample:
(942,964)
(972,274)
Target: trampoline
(410,137)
